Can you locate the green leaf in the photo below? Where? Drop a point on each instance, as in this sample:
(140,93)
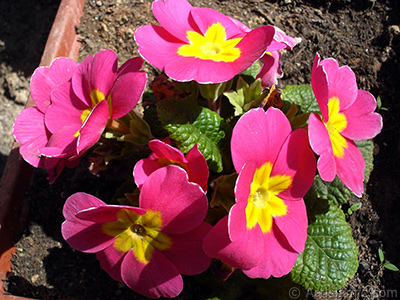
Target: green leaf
(330,255)
(188,123)
(390,267)
(302,96)
(252,71)
(381,256)
(336,192)
(246,96)
(367,151)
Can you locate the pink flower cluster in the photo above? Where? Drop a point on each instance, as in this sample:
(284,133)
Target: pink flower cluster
(73,105)
(150,246)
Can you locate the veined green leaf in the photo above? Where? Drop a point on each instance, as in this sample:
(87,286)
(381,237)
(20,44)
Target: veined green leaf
(330,255)
(188,123)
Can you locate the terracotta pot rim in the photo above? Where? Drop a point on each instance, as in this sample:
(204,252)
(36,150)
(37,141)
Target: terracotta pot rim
(62,41)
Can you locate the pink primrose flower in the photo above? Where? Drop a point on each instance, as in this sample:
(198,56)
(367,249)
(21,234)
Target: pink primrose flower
(164,154)
(73,105)
(97,92)
(267,227)
(29,127)
(347,115)
(199,44)
(149,246)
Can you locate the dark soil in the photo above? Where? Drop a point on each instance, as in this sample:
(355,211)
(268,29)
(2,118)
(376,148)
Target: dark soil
(363,34)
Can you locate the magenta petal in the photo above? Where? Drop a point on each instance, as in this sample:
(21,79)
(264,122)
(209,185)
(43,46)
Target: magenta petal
(173,15)
(183,205)
(203,71)
(350,168)
(28,125)
(66,108)
(111,261)
(150,39)
(126,93)
(187,253)
(297,160)
(83,235)
(244,253)
(78,202)
(294,224)
(253,46)
(107,213)
(255,137)
(237,216)
(319,83)
(104,71)
(158,278)
(62,142)
(341,82)
(197,167)
(164,150)
(278,257)
(282,41)
(29,129)
(271,69)
(205,17)
(45,79)
(81,84)
(143,169)
(93,127)
(130,66)
(321,144)
(362,122)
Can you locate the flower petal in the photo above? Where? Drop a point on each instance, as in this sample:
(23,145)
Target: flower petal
(271,69)
(173,15)
(197,167)
(294,224)
(298,161)
(350,168)
(183,205)
(255,137)
(30,131)
(127,90)
(103,214)
(66,108)
(205,17)
(111,261)
(362,122)
(83,235)
(78,202)
(341,82)
(243,253)
(278,257)
(45,79)
(187,253)
(158,278)
(150,39)
(321,144)
(93,127)
(319,83)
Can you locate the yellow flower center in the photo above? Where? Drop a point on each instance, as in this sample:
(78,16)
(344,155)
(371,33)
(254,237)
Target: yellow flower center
(263,203)
(211,46)
(336,123)
(139,233)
